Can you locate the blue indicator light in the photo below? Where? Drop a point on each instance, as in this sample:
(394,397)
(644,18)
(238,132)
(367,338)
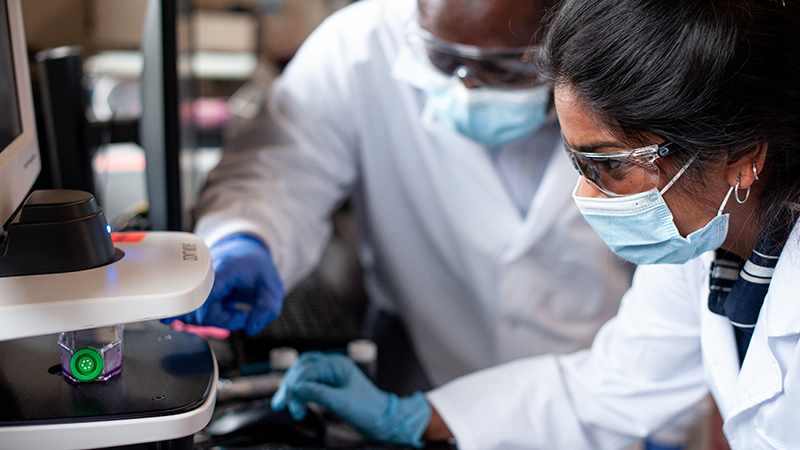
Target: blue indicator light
(108,228)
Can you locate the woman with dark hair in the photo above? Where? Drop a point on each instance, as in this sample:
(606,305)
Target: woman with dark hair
(683,120)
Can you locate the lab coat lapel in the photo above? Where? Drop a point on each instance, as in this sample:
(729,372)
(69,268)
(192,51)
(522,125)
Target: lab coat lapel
(719,355)
(781,310)
(461,184)
(484,189)
(736,390)
(760,378)
(555,190)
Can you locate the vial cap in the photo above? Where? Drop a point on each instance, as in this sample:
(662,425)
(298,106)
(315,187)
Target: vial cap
(86,364)
(362,351)
(281,358)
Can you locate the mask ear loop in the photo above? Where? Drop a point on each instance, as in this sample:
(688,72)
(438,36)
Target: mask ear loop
(678,175)
(725,200)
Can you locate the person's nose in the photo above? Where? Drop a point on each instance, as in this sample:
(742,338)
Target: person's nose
(469,81)
(586,189)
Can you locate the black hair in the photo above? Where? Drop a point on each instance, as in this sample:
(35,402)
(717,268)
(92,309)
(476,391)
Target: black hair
(718,76)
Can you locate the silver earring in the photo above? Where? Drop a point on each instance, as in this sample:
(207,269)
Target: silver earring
(736,192)
(755,174)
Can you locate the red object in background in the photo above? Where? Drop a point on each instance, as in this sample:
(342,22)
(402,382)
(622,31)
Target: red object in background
(128,238)
(119,162)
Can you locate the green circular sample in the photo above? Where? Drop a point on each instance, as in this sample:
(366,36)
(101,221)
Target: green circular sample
(86,364)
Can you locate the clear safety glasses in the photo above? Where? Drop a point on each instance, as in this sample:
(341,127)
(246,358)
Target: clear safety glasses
(500,67)
(617,174)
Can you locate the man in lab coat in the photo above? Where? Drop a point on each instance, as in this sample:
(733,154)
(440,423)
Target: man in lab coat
(426,117)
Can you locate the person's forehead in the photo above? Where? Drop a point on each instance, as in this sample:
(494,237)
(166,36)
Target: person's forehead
(485,23)
(579,124)
(582,126)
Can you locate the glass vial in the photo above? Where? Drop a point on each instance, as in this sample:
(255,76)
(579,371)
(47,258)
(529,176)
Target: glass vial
(91,355)
(281,358)
(365,354)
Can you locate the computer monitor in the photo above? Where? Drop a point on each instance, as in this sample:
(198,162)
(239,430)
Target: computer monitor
(19,147)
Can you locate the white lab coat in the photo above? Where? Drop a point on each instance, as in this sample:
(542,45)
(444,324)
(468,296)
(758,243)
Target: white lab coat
(442,244)
(659,356)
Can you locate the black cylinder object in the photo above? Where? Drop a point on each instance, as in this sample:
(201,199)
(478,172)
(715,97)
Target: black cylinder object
(64,103)
(57,231)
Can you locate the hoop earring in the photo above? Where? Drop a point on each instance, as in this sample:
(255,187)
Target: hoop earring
(755,174)
(736,192)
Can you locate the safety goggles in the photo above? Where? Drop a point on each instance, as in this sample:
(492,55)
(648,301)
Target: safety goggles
(617,174)
(500,67)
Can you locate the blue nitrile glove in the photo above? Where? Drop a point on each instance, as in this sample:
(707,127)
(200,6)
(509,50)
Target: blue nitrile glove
(335,382)
(244,275)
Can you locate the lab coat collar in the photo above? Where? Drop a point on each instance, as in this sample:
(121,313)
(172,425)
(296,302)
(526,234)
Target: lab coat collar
(553,192)
(404,67)
(781,310)
(719,347)
(736,390)
(760,377)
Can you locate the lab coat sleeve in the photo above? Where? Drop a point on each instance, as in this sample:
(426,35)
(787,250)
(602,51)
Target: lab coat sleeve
(644,367)
(284,192)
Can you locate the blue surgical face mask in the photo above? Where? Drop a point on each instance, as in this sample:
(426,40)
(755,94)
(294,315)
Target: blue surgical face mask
(487,115)
(640,229)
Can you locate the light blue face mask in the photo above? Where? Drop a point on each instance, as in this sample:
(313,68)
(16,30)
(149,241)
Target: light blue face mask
(489,116)
(486,115)
(640,229)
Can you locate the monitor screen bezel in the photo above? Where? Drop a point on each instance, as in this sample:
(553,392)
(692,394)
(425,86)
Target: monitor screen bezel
(20,163)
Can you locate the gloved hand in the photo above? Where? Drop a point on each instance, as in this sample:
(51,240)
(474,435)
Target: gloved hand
(335,382)
(244,277)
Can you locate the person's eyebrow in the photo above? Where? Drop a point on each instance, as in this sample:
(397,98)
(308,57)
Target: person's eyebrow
(592,147)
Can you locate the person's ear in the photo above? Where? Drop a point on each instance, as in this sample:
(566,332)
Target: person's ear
(746,169)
